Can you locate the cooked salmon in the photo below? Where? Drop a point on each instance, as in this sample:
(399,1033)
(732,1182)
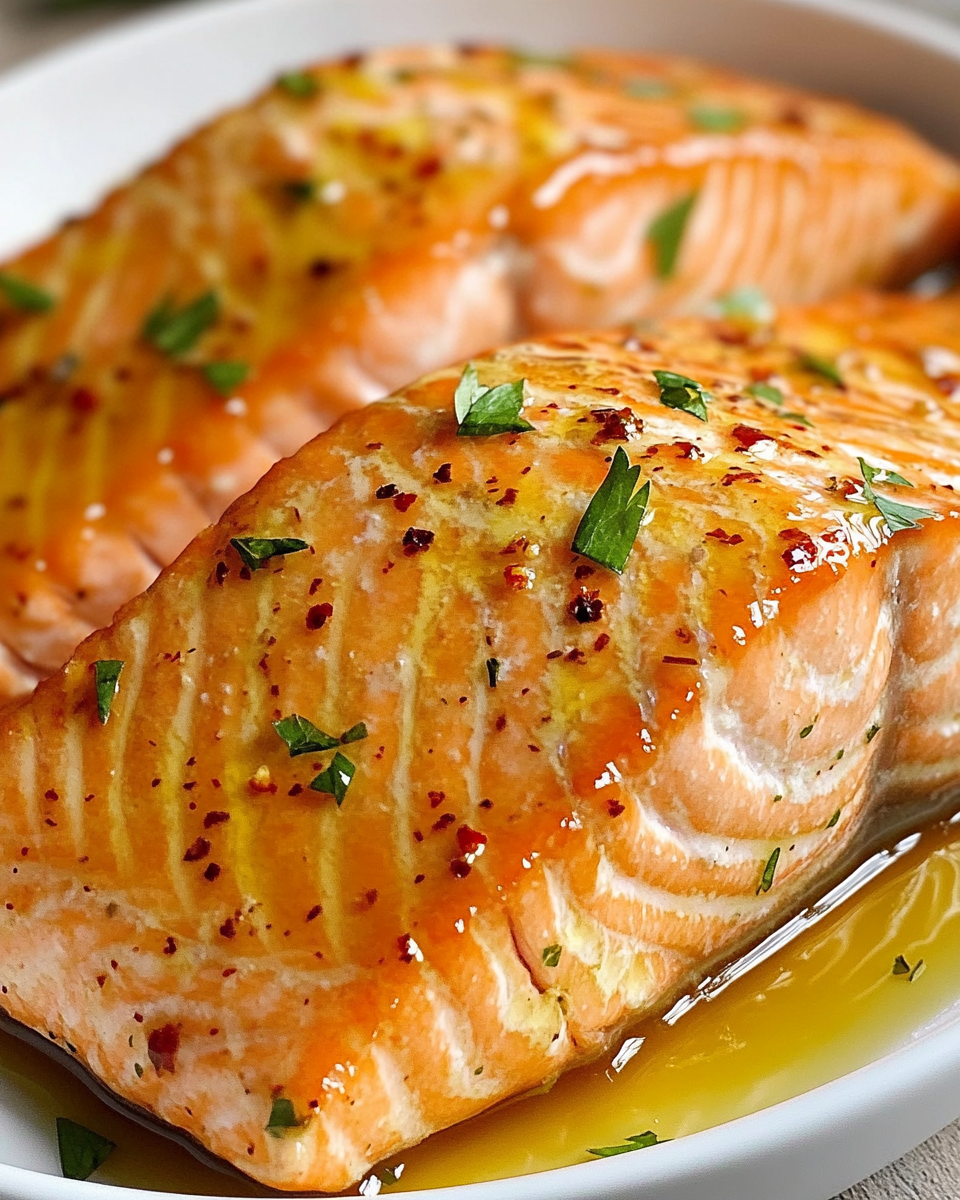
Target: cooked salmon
(368,220)
(488,722)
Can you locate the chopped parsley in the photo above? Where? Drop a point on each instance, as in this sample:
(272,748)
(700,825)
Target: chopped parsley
(106,673)
(551,955)
(303,737)
(356,733)
(678,391)
(391,1175)
(638,1141)
(256,551)
(902,967)
(799,418)
(335,780)
(299,84)
(766,391)
(665,233)
(300,190)
(897,516)
(747,302)
(282,1116)
(493,671)
(714,119)
(610,525)
(483,411)
(834,819)
(173,330)
(226,376)
(778,797)
(26,297)
(822,366)
(766,881)
(808,729)
(872,733)
(81,1150)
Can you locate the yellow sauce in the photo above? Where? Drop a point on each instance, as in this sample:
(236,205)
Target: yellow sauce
(824,1005)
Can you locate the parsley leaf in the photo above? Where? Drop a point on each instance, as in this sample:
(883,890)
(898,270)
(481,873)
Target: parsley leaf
(822,366)
(225,376)
(714,119)
(256,551)
(282,1116)
(665,233)
(26,297)
(493,671)
(797,418)
(356,733)
(610,525)
(834,819)
(769,871)
(106,672)
(897,516)
(302,736)
(902,967)
(335,780)
(677,391)
(299,84)
(483,411)
(766,391)
(551,955)
(639,1141)
(747,302)
(173,330)
(872,733)
(81,1150)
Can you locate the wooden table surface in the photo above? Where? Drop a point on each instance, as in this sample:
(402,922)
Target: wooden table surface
(932,1171)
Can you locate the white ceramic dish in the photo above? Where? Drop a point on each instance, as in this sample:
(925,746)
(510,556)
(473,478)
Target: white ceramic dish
(77,121)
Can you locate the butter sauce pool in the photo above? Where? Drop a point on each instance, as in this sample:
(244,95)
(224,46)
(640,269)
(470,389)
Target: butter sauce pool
(824,1005)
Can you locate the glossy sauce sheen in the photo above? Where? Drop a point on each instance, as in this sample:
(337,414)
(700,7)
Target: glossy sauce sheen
(388,215)
(770,671)
(829,1003)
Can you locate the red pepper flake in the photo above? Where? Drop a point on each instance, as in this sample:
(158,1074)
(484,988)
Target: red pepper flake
(584,571)
(386,491)
(50,794)
(574,656)
(470,840)
(442,473)
(409,950)
(688,450)
(436,798)
(614,808)
(517,577)
(162,1047)
(83,400)
(221,572)
(486,804)
(228,929)
(748,437)
(215,818)
(212,872)
(24,851)
(419,878)
(374,445)
(416,541)
(101,980)
(171,946)
(508,498)
(197,851)
(318,615)
(228,972)
(314,912)
(460,869)
(188,787)
(295,790)
(501,723)
(618,425)
(739,477)
(802,555)
(388,567)
(404,501)
(679,660)
(314,585)
(586,607)
(602,642)
(417,835)
(728,539)
(443,821)
(138,1018)
(114,963)
(535,749)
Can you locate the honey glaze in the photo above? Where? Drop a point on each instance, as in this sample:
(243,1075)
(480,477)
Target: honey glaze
(825,1004)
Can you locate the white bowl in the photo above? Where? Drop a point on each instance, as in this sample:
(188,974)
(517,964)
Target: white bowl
(77,121)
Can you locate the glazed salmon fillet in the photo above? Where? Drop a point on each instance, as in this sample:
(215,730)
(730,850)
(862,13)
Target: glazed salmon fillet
(384,804)
(371,219)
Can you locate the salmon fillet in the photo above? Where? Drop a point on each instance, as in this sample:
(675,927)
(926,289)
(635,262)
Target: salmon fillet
(399,807)
(375,218)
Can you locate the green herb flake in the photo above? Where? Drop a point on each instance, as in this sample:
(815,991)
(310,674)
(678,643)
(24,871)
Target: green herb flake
(256,551)
(822,366)
(797,418)
(808,729)
(683,393)
(665,233)
(106,674)
(715,119)
(641,88)
(173,330)
(639,1141)
(766,391)
(872,733)
(356,733)
(303,737)
(838,755)
(493,671)
(138,1070)
(300,190)
(226,377)
(335,780)
(282,1117)
(390,1176)
(81,1150)
(478,1071)
(484,411)
(897,516)
(24,296)
(778,797)
(917,971)
(541,58)
(769,871)
(901,966)
(834,819)
(745,303)
(610,525)
(551,955)
(299,84)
